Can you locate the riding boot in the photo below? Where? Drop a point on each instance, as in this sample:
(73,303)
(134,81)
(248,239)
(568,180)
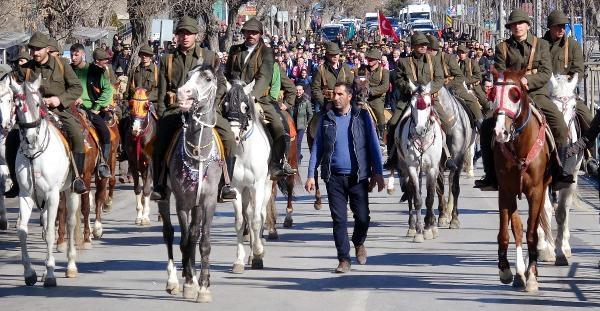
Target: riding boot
(12,146)
(450,165)
(279,165)
(79,186)
(227,192)
(158,192)
(381,133)
(103,169)
(488,182)
(561,178)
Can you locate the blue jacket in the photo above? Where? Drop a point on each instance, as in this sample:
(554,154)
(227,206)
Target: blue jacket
(366,145)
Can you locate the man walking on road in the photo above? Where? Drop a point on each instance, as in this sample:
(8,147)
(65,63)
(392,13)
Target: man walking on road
(347,149)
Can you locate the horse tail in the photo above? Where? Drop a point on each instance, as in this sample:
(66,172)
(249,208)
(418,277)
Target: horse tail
(284,183)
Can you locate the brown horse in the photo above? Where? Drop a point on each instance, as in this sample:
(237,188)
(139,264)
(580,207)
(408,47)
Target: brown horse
(139,140)
(286,186)
(522,161)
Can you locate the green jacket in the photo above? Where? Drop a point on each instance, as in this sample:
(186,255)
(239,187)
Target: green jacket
(58,79)
(471,71)
(379,84)
(574,57)
(181,64)
(451,70)
(258,68)
(146,77)
(98,92)
(517,60)
(325,79)
(422,64)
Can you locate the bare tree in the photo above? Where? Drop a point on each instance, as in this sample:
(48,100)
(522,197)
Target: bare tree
(140,15)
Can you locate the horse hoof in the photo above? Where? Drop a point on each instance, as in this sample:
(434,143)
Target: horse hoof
(568,253)
(190,291)
(71,273)
(561,261)
(257,263)
(62,247)
(519,281)
(204,296)
(428,234)
(506,276)
(107,208)
(287,223)
(454,224)
(317,206)
(418,238)
(532,285)
(3,224)
(159,218)
(411,233)
(50,282)
(172,288)
(273,235)
(31,280)
(546,255)
(391,191)
(87,245)
(98,233)
(435,232)
(138,221)
(145,222)
(443,222)
(238,268)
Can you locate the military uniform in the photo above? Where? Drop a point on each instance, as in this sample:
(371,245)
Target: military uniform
(472,73)
(379,84)
(326,77)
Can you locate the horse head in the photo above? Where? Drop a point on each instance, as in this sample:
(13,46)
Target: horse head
(7,115)
(421,107)
(238,108)
(510,98)
(30,109)
(197,95)
(139,109)
(562,93)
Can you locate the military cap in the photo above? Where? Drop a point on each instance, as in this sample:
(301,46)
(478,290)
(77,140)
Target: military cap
(332,48)
(462,49)
(363,45)
(187,23)
(434,44)
(146,49)
(100,54)
(517,16)
(557,17)
(418,38)
(374,54)
(53,45)
(23,54)
(38,40)
(126,46)
(253,24)
(4,70)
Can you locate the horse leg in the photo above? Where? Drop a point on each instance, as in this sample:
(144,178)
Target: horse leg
(191,286)
(545,244)
(61,219)
(443,219)
(100,198)
(289,210)
(73,217)
(536,206)
(390,183)
(85,211)
(418,219)
(517,231)
(3,219)
(25,209)
(412,227)
(468,161)
(563,248)
(139,208)
(49,234)
(168,236)
(204,295)
(454,193)
(430,228)
(505,273)
(256,224)
(146,191)
(239,206)
(271,223)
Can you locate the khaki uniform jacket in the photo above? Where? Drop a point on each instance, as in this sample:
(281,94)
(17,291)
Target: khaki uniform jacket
(515,56)
(145,77)
(452,73)
(57,80)
(289,92)
(567,56)
(258,68)
(423,66)
(471,71)
(182,64)
(325,79)
(379,84)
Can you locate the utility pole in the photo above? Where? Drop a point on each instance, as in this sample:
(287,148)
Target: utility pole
(538,18)
(584,30)
(500,35)
(479,26)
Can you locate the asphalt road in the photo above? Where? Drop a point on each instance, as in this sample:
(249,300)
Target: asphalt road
(126,269)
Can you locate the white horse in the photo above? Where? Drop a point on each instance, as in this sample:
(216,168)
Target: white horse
(251,174)
(419,143)
(43,172)
(8,120)
(562,93)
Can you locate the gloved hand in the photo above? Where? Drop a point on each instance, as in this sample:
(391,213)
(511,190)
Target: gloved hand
(577,147)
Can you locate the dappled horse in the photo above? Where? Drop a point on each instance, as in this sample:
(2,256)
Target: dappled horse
(251,175)
(40,184)
(418,141)
(7,119)
(195,166)
(562,93)
(139,142)
(522,159)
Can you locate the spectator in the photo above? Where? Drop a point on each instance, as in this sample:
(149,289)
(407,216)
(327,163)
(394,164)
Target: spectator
(302,115)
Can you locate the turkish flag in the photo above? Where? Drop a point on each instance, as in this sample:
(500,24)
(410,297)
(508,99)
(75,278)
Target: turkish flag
(385,27)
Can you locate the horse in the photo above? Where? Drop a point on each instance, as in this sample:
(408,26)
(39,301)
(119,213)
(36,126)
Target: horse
(41,184)
(522,158)
(562,93)
(195,165)
(7,118)
(460,137)
(418,140)
(251,174)
(139,141)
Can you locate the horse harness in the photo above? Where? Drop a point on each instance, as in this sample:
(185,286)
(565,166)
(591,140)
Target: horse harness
(530,69)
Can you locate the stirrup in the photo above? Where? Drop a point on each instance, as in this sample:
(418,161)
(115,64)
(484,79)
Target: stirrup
(104,170)
(79,186)
(227,194)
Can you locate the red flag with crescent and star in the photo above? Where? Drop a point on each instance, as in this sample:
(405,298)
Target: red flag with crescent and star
(385,27)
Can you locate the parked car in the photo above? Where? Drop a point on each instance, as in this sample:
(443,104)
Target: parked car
(331,31)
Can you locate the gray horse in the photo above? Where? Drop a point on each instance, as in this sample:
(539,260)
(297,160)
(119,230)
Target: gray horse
(459,138)
(195,170)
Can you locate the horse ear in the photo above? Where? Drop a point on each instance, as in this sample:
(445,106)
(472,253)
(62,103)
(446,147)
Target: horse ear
(228,86)
(36,84)
(553,81)
(574,80)
(427,88)
(248,88)
(412,86)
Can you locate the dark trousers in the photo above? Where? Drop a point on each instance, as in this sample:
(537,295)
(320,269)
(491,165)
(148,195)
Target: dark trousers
(100,126)
(299,137)
(340,188)
(167,126)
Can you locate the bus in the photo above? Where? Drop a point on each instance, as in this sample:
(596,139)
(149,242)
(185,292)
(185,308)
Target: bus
(413,12)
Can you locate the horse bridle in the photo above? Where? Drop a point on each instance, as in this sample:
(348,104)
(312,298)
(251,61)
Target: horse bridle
(234,113)
(196,113)
(501,110)
(36,124)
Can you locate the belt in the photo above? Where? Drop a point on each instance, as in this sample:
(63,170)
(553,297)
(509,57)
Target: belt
(343,175)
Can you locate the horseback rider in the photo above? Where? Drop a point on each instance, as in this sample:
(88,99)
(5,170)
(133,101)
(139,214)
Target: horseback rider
(60,88)
(96,96)
(472,73)
(379,84)
(328,74)
(172,75)
(521,51)
(254,61)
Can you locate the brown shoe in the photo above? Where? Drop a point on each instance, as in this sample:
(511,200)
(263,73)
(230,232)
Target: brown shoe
(343,267)
(361,254)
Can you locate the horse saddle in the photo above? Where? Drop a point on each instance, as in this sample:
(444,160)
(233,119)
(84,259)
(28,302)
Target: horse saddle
(88,128)
(175,141)
(55,122)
